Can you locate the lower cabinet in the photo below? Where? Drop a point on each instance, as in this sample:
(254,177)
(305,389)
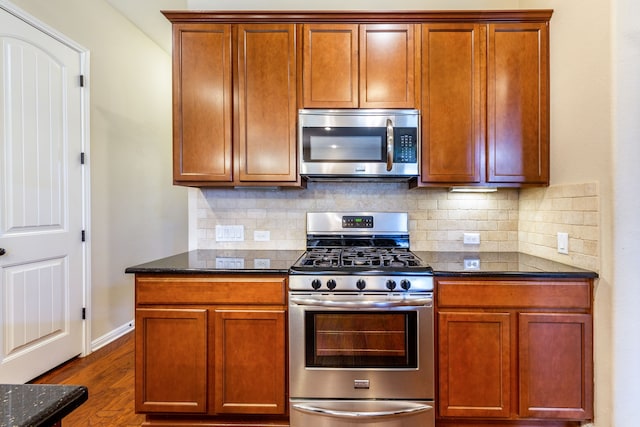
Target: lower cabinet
(211,349)
(514,351)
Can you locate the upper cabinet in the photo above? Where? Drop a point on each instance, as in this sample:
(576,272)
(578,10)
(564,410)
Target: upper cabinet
(267,112)
(359,66)
(202,103)
(235,104)
(453,101)
(518,103)
(485,104)
(479,78)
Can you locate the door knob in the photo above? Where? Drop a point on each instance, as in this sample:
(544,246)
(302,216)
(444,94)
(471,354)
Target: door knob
(2,251)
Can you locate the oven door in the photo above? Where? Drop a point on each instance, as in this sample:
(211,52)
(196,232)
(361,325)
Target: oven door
(361,346)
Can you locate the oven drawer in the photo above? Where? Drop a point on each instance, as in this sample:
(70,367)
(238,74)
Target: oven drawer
(361,413)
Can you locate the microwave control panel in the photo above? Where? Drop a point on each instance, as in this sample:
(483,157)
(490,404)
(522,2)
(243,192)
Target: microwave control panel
(405,146)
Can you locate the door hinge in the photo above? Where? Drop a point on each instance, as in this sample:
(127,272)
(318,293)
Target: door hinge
(84,235)
(81,80)
(84,313)
(82,158)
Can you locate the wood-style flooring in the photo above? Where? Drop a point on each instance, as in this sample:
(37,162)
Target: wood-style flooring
(109,375)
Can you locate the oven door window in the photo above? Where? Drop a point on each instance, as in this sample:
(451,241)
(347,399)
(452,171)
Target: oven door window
(344,144)
(361,339)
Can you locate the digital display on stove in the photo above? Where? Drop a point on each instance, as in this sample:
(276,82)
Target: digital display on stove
(357,222)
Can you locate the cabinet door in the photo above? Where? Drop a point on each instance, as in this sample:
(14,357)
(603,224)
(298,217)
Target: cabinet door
(267,102)
(387,66)
(330,66)
(250,362)
(202,103)
(556,366)
(453,99)
(171,360)
(474,364)
(518,103)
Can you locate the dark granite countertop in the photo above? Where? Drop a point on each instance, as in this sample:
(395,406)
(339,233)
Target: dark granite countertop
(38,405)
(500,264)
(203,261)
(505,264)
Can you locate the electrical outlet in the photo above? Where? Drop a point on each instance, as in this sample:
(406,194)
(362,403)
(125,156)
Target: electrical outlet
(229,263)
(262,263)
(471,238)
(261,235)
(229,233)
(563,243)
(471,263)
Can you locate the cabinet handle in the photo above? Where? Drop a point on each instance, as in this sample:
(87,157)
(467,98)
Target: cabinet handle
(389,144)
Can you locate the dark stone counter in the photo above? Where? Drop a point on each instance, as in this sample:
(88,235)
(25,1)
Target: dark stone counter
(38,405)
(500,264)
(211,261)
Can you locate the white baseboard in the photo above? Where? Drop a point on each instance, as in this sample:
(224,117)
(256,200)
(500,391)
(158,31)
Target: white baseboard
(112,336)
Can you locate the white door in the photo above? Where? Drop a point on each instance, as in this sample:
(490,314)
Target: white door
(42,272)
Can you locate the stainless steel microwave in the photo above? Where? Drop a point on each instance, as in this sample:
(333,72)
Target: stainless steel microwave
(345,144)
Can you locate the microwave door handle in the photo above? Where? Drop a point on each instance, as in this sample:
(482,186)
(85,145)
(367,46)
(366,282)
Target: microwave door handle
(389,144)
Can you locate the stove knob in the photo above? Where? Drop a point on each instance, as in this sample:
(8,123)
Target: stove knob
(331,284)
(391,284)
(361,284)
(316,284)
(405,284)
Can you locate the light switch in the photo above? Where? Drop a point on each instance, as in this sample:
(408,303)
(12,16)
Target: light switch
(563,243)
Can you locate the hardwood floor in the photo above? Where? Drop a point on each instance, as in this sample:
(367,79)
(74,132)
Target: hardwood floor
(109,375)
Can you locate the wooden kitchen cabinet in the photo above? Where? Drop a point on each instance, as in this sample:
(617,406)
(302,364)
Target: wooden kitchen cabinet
(360,65)
(267,109)
(511,109)
(171,360)
(202,103)
(453,103)
(211,347)
(514,350)
(234,104)
(518,103)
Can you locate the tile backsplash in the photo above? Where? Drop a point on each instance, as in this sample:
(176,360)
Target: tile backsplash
(572,209)
(508,220)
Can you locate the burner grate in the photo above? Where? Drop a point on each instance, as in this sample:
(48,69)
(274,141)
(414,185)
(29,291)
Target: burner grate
(359,257)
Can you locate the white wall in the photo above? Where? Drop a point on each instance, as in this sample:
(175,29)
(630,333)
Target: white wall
(136,213)
(626,230)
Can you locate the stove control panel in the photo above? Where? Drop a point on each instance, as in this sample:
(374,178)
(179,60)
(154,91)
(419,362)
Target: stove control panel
(352,221)
(361,283)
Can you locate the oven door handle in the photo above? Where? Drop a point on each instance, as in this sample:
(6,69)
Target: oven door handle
(360,415)
(416,302)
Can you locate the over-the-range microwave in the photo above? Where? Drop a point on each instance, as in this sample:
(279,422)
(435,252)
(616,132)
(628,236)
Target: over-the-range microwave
(358,144)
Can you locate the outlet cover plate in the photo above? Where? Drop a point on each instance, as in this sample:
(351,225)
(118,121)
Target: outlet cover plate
(471,238)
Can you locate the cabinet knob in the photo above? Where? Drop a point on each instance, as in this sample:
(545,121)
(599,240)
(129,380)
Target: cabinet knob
(2,251)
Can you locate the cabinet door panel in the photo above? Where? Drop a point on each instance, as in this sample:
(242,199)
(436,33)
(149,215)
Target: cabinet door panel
(171,355)
(556,365)
(387,66)
(202,103)
(250,362)
(330,66)
(267,102)
(453,62)
(518,103)
(474,364)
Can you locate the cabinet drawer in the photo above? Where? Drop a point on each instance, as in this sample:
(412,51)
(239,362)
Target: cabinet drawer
(572,294)
(267,290)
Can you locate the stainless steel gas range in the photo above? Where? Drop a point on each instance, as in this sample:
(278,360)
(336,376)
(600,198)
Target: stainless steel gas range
(360,325)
